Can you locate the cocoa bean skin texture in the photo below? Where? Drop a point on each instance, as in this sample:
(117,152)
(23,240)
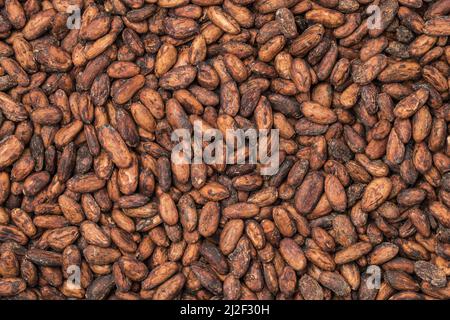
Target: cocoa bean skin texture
(88,182)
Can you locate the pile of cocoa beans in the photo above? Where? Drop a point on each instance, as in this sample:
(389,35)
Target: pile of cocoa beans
(93,207)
